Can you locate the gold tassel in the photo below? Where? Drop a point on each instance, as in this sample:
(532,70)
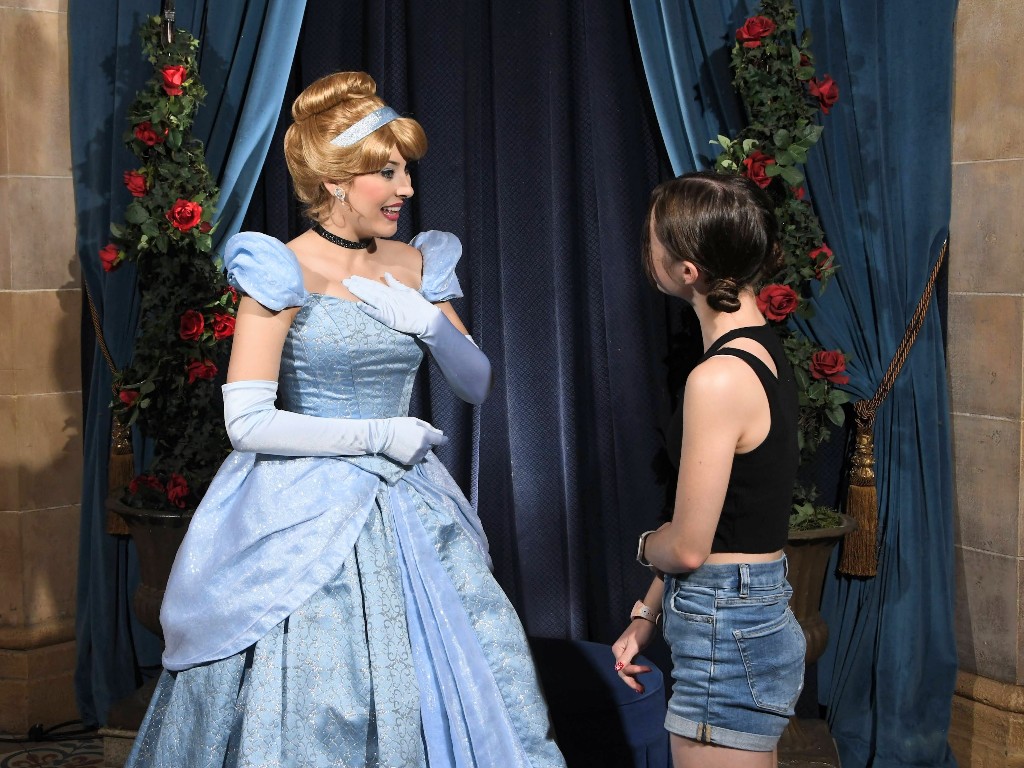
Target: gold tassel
(860,546)
(120,472)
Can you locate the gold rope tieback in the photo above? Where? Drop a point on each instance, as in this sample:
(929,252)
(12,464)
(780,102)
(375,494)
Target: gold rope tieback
(860,547)
(121,465)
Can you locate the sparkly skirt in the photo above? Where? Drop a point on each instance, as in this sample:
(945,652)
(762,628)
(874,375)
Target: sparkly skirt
(411,655)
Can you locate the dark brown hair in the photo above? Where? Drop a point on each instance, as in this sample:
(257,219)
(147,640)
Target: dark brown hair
(723,223)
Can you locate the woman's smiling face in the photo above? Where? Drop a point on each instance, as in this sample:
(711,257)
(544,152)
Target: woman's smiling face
(373,201)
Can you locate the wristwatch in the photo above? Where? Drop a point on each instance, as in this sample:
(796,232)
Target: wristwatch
(640,549)
(642,611)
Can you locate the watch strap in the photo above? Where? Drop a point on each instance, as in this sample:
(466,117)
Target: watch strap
(642,611)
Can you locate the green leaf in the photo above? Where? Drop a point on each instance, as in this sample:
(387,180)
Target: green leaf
(840,397)
(792,176)
(135,213)
(785,157)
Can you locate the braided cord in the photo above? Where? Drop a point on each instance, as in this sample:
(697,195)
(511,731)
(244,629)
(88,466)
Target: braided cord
(98,330)
(866,410)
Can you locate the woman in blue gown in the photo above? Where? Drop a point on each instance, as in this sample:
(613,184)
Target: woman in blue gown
(332,603)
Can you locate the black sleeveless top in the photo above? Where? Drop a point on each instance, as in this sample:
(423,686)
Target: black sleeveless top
(759,498)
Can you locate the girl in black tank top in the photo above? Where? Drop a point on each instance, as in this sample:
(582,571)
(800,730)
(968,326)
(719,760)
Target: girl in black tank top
(719,568)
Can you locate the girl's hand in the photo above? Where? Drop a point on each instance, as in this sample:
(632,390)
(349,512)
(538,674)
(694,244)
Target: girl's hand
(629,645)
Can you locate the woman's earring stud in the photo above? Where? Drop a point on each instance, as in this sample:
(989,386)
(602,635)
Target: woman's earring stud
(338,193)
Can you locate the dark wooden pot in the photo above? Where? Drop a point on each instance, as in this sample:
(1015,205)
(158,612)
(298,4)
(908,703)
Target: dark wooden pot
(808,741)
(157,536)
(808,553)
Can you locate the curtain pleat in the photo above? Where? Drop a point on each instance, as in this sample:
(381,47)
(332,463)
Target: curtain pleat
(245,51)
(880,182)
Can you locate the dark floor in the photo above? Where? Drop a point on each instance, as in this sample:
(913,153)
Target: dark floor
(78,753)
(815,752)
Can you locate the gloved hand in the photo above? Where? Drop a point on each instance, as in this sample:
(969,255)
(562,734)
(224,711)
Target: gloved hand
(404,438)
(255,425)
(398,306)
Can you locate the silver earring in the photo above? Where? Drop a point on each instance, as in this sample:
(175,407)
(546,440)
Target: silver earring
(338,193)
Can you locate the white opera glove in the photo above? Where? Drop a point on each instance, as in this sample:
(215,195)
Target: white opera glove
(398,306)
(255,425)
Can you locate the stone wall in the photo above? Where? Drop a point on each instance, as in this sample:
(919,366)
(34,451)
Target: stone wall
(40,370)
(986,338)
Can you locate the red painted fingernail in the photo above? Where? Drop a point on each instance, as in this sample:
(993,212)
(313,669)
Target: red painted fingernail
(639,690)
(619,665)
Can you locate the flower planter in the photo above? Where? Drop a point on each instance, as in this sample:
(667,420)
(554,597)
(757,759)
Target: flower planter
(157,536)
(808,553)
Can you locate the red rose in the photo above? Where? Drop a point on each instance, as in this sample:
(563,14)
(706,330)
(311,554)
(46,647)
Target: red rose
(223,326)
(136,183)
(177,490)
(777,302)
(829,365)
(754,30)
(798,192)
(174,76)
(200,369)
(150,481)
(230,291)
(128,396)
(822,257)
(755,165)
(205,227)
(184,214)
(110,257)
(191,325)
(826,92)
(144,132)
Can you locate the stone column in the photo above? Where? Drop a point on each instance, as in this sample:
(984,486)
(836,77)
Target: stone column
(986,339)
(40,370)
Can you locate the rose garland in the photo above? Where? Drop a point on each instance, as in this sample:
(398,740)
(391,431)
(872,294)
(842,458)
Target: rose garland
(187,312)
(775,78)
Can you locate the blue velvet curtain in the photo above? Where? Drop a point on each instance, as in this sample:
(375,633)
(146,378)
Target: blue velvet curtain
(880,183)
(244,56)
(543,151)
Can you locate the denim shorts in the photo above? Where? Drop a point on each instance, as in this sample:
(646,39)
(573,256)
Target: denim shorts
(737,654)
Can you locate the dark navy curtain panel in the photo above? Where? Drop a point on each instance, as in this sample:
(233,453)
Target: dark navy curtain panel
(246,49)
(880,182)
(543,151)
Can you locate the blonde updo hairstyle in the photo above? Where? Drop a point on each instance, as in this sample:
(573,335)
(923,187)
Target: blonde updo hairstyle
(322,111)
(721,222)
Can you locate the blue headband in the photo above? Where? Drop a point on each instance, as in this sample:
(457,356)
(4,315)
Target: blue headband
(363,128)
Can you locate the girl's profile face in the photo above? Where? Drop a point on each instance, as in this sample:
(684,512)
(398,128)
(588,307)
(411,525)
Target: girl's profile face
(374,201)
(661,266)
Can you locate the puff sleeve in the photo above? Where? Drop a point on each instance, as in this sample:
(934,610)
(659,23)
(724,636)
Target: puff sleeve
(441,252)
(264,268)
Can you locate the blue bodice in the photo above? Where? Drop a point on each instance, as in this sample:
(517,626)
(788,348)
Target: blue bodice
(339,362)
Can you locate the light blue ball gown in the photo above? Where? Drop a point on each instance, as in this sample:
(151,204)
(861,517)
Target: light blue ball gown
(340,611)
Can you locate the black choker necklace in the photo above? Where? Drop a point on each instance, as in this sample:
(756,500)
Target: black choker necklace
(333,238)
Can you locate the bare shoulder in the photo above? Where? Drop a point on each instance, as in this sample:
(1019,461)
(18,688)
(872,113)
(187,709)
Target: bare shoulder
(724,384)
(401,260)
